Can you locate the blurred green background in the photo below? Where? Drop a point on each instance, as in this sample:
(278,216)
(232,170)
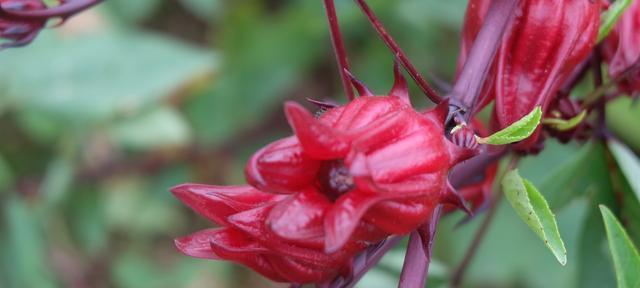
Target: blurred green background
(100,117)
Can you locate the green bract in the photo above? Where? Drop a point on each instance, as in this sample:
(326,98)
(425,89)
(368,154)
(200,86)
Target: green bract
(517,131)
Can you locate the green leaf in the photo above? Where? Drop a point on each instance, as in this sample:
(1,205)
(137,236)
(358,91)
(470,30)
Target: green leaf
(6,176)
(620,113)
(568,179)
(564,125)
(256,80)
(99,76)
(629,164)
(534,210)
(517,131)
(59,177)
(158,128)
(609,18)
(133,10)
(625,256)
(27,247)
(205,9)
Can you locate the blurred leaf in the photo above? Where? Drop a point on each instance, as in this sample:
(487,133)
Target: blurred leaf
(378,278)
(517,131)
(133,10)
(534,210)
(97,76)
(625,256)
(27,251)
(136,270)
(629,164)
(569,178)
(610,17)
(85,213)
(266,54)
(134,208)
(57,181)
(157,128)
(421,12)
(594,262)
(6,176)
(205,9)
(621,114)
(625,183)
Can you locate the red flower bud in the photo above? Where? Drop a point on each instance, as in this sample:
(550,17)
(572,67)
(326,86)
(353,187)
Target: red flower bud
(347,179)
(621,50)
(548,38)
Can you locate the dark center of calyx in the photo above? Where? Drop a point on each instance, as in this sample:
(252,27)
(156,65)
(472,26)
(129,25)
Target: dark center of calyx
(334,179)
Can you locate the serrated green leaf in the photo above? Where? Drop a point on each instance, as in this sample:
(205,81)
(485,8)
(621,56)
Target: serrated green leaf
(609,18)
(564,125)
(534,210)
(625,256)
(517,131)
(629,164)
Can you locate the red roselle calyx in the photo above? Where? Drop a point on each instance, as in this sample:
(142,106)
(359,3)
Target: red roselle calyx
(547,40)
(621,50)
(22,20)
(349,178)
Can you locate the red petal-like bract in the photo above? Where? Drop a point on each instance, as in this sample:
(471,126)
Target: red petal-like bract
(348,179)
(621,50)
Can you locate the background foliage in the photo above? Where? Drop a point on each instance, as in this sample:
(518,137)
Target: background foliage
(100,117)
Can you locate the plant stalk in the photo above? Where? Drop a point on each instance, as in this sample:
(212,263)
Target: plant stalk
(400,55)
(338,48)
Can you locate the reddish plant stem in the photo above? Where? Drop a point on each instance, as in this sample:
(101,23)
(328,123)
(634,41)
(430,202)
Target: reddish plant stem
(338,47)
(402,57)
(416,264)
(366,261)
(418,256)
(63,10)
(458,275)
(474,73)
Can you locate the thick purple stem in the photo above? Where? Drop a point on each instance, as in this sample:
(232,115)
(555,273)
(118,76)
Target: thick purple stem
(338,48)
(364,262)
(474,73)
(416,263)
(402,57)
(418,256)
(63,10)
